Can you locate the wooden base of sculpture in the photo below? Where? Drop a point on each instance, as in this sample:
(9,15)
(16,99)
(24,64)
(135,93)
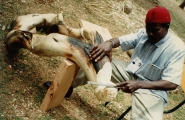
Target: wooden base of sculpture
(60,85)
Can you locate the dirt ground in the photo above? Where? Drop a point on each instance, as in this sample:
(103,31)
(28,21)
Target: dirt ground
(22,76)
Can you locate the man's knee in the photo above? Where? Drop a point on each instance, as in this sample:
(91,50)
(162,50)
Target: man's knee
(147,107)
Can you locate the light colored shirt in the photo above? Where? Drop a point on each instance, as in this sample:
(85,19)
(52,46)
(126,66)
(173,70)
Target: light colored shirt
(161,61)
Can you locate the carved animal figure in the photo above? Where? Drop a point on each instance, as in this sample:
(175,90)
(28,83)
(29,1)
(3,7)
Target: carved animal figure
(56,44)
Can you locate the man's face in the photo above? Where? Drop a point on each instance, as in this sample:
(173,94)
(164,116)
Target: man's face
(155,32)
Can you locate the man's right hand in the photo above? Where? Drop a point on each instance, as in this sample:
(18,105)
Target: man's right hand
(98,52)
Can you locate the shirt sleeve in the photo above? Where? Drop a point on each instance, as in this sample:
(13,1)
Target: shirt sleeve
(174,68)
(128,42)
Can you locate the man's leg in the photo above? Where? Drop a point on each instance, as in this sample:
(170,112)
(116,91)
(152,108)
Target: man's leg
(80,79)
(118,71)
(146,107)
(118,74)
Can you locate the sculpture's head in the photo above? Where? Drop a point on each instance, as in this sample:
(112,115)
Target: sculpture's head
(17,39)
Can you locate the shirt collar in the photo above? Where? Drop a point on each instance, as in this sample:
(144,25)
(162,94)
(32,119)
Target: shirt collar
(162,41)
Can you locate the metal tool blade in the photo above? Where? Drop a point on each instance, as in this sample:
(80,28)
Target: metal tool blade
(102,84)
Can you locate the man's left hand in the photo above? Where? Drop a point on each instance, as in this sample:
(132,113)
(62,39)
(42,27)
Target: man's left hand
(129,86)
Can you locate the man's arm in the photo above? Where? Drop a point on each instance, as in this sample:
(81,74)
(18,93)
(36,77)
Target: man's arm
(97,52)
(131,86)
(127,41)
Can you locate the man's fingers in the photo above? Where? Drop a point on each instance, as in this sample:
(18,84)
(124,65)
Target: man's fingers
(94,47)
(95,55)
(123,89)
(93,50)
(123,84)
(98,52)
(100,56)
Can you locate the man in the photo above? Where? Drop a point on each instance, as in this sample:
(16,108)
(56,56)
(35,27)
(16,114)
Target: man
(155,68)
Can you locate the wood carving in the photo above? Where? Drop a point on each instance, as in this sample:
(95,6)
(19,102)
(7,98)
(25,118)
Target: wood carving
(67,45)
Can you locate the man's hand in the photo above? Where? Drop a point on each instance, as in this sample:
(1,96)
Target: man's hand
(132,85)
(129,86)
(98,52)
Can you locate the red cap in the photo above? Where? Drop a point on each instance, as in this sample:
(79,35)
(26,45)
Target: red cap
(158,14)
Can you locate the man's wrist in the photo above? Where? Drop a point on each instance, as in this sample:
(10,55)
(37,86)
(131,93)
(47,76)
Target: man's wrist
(140,85)
(113,43)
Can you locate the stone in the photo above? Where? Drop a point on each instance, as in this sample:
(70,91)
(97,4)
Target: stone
(127,8)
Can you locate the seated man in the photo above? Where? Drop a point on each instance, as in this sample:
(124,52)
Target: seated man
(155,68)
